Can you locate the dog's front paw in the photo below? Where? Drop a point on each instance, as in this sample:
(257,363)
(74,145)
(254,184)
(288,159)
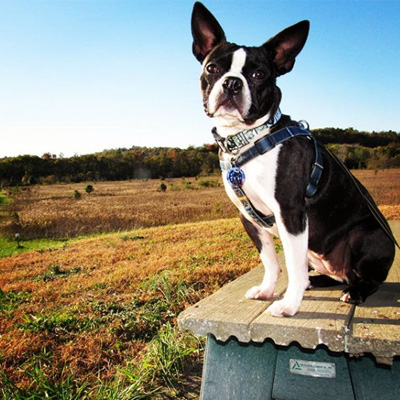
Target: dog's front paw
(260,293)
(282,308)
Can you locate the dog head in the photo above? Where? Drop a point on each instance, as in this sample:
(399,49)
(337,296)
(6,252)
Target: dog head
(238,83)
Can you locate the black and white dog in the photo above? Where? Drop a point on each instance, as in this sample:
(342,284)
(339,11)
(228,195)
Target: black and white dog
(292,188)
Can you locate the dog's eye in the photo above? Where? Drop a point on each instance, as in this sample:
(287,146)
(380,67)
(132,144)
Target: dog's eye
(212,69)
(258,74)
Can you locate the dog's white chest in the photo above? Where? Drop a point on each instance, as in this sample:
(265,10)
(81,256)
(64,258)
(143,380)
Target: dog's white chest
(259,183)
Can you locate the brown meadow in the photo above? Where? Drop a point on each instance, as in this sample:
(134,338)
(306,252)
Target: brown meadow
(78,316)
(111,296)
(53,212)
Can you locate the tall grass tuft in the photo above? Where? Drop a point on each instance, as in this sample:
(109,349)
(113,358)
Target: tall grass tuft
(41,387)
(169,353)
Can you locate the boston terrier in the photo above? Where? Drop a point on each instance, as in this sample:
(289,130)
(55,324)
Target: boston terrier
(282,181)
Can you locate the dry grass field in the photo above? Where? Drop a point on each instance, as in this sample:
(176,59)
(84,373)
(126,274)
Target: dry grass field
(384,187)
(53,212)
(94,317)
(94,311)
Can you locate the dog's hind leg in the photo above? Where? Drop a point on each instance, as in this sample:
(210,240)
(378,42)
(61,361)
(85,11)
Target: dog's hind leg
(372,256)
(264,243)
(358,293)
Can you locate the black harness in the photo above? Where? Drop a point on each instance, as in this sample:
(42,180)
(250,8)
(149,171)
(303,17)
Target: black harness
(235,174)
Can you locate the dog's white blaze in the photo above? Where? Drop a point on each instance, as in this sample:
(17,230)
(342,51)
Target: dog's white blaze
(234,117)
(238,61)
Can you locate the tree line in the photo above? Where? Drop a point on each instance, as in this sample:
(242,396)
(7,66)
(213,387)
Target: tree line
(109,165)
(356,149)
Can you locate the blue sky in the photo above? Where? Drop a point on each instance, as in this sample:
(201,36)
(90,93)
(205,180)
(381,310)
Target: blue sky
(80,76)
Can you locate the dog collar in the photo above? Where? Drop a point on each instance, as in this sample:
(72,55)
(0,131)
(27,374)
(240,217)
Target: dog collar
(233,143)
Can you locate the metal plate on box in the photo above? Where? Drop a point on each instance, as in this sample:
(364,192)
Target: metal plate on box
(312,368)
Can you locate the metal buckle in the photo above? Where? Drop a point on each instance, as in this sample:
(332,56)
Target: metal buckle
(304,124)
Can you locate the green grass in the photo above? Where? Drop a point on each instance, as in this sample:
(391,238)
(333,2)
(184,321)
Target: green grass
(41,387)
(12,299)
(4,200)
(56,272)
(9,247)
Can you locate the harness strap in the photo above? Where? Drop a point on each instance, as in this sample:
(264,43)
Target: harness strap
(270,141)
(316,171)
(264,221)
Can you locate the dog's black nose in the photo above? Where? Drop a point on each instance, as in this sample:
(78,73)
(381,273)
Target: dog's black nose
(232,85)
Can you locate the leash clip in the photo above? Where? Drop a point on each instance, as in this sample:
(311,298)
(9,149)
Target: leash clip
(219,140)
(222,146)
(222,142)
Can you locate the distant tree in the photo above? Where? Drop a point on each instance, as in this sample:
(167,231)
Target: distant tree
(89,189)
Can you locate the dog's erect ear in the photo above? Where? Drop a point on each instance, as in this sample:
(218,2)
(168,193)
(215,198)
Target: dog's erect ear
(287,44)
(207,32)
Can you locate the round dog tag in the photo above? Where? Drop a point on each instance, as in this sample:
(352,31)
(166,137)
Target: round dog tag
(235,177)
